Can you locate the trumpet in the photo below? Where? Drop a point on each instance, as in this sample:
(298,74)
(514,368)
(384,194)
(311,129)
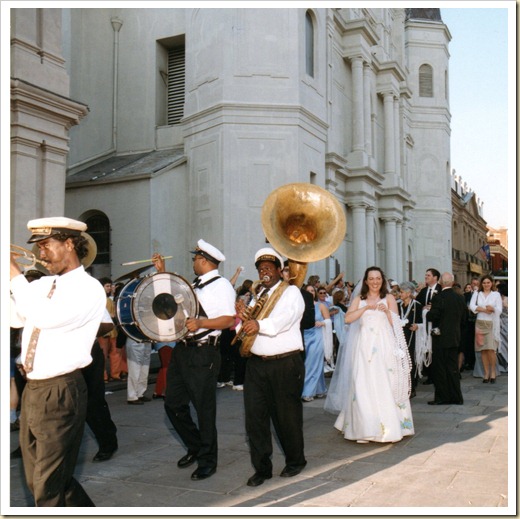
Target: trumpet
(26,258)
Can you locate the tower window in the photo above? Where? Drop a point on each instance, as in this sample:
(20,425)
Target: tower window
(425,81)
(309,44)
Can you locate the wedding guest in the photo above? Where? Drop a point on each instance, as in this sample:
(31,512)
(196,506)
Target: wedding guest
(487,305)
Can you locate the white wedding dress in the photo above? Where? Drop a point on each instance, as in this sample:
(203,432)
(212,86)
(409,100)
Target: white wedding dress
(373,409)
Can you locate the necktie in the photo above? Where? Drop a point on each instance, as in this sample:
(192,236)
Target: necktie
(33,341)
(429,296)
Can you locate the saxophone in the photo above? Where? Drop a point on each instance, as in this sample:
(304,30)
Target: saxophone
(259,310)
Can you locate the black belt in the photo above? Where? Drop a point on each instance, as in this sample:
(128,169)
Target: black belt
(279,356)
(212,340)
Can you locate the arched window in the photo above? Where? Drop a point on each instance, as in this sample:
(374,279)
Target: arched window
(425,81)
(309,44)
(98,226)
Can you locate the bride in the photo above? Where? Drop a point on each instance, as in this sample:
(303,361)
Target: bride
(371,386)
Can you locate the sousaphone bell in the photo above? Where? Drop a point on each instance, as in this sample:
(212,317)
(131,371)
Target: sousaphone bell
(305,223)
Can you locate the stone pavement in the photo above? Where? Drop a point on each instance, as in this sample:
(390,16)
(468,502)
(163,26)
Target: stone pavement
(458,457)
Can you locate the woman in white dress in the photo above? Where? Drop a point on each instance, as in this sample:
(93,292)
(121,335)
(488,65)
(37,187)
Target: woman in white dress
(487,304)
(376,404)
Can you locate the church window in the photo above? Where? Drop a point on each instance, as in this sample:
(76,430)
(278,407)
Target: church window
(425,81)
(98,227)
(176,84)
(309,44)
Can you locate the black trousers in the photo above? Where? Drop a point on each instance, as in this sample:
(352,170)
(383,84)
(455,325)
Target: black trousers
(469,344)
(445,374)
(233,365)
(192,377)
(272,392)
(51,428)
(98,414)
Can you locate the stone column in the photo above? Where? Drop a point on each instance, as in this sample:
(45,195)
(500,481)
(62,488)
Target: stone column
(359,239)
(367,105)
(399,256)
(371,245)
(358,132)
(397,138)
(389,133)
(390,248)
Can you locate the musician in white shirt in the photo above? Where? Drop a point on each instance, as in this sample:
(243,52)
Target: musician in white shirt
(61,323)
(275,374)
(194,367)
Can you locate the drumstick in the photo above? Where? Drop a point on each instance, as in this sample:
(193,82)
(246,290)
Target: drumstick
(143,261)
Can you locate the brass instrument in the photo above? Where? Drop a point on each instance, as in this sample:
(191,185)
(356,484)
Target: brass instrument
(252,312)
(305,223)
(26,258)
(262,308)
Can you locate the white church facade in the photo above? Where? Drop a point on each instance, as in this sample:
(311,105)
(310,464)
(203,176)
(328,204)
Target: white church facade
(162,126)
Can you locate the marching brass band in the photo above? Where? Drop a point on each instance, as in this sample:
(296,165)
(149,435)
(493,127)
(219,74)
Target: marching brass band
(165,307)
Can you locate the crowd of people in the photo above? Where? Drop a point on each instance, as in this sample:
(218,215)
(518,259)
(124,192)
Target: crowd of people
(376,341)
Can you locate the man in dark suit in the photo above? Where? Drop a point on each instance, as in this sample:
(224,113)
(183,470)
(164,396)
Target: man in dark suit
(432,288)
(448,317)
(425,296)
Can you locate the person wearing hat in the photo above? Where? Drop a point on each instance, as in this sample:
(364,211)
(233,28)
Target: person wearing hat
(275,373)
(62,313)
(195,364)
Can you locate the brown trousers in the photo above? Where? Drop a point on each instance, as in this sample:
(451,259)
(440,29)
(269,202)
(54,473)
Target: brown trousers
(51,428)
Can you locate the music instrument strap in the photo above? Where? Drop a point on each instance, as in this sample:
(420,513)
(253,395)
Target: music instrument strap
(202,312)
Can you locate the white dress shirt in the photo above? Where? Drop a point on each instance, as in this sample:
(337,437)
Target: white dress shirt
(280,331)
(68,321)
(217,298)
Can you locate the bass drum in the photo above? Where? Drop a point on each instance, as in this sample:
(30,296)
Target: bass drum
(155,308)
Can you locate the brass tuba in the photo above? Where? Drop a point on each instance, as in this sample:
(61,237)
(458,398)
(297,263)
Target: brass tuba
(305,223)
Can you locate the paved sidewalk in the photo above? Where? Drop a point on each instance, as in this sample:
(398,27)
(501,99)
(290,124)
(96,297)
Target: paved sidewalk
(458,457)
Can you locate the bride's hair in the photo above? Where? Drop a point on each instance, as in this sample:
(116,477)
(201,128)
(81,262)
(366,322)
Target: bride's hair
(364,288)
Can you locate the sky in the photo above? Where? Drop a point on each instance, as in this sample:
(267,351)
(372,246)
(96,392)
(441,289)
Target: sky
(481,99)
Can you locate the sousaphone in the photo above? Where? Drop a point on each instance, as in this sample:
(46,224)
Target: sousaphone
(305,223)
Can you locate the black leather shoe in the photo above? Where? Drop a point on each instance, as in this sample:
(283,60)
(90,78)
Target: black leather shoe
(144,399)
(492,380)
(289,472)
(104,455)
(257,479)
(203,473)
(134,402)
(187,460)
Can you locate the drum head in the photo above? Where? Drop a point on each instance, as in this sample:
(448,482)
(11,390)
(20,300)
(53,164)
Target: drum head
(161,306)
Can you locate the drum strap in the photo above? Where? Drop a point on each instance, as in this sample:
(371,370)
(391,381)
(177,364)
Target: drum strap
(202,312)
